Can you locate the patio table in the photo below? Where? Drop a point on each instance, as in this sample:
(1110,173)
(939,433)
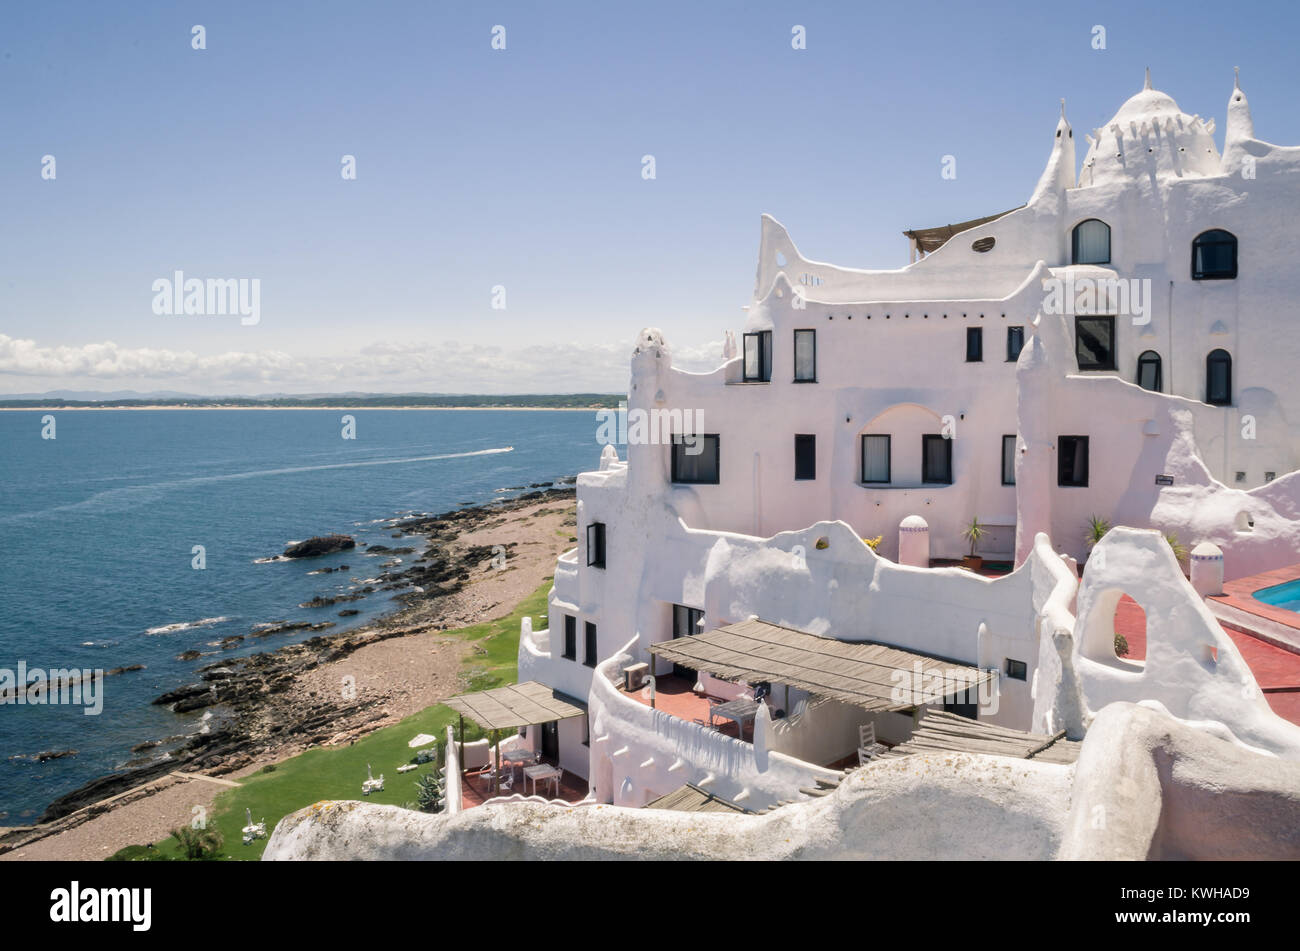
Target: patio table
(518,758)
(543,771)
(742,710)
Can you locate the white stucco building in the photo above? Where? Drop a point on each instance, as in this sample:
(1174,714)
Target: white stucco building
(1120,346)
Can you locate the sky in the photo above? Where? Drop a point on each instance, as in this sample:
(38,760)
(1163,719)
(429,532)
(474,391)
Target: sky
(488,177)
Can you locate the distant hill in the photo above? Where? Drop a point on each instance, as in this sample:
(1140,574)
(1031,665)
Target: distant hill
(350,400)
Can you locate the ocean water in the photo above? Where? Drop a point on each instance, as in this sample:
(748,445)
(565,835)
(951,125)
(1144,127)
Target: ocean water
(98,526)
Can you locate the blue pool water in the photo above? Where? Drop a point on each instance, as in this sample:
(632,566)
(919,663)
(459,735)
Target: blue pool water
(1285,595)
(97,528)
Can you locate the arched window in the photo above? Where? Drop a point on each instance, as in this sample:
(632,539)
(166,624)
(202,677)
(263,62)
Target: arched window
(1218,378)
(1091,244)
(1149,371)
(1214,256)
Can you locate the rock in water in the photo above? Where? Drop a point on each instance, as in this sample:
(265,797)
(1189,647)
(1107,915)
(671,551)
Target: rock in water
(320,545)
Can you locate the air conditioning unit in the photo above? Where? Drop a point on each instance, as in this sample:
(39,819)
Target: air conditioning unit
(634,676)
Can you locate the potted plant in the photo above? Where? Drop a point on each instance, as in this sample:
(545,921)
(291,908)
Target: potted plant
(973,533)
(1097,529)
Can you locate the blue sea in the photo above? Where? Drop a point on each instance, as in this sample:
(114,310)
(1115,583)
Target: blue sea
(98,528)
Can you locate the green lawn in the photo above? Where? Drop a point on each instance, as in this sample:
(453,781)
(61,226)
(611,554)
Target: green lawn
(336,773)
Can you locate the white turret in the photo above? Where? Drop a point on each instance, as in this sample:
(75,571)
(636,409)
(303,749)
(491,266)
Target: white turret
(1239,129)
(1059,173)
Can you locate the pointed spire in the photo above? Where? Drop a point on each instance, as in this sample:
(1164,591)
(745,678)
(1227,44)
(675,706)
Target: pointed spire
(1147,84)
(1062,108)
(1236,78)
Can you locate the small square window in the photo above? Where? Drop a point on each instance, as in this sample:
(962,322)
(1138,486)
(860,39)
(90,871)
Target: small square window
(805,457)
(695,459)
(570,638)
(1094,342)
(875,459)
(1008,460)
(1072,461)
(1015,343)
(805,356)
(1270,476)
(1241,476)
(596,545)
(1017,669)
(974,344)
(936,459)
(758,357)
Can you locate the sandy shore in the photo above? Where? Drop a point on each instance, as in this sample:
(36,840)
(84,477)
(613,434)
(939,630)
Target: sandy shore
(397,677)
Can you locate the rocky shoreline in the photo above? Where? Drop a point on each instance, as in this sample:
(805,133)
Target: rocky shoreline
(252,712)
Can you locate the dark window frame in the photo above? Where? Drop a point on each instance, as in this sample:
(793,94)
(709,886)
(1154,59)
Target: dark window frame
(1211,359)
(1147,358)
(596,557)
(1016,332)
(975,335)
(1068,482)
(795,355)
(926,440)
(1017,669)
(1074,242)
(1012,479)
(570,638)
(763,356)
(590,644)
(810,470)
(1078,356)
(679,445)
(889,459)
(1228,240)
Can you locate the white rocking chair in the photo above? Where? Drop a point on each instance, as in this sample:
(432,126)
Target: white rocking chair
(868,748)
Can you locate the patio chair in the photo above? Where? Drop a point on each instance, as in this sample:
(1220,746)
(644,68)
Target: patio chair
(559,774)
(868,748)
(507,780)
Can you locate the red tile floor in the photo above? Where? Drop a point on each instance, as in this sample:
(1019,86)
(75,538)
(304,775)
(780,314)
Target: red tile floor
(474,788)
(675,696)
(1276,670)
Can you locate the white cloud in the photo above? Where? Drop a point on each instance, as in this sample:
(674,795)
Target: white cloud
(386,366)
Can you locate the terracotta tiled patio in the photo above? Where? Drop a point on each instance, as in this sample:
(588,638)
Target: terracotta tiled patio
(675,696)
(1240,595)
(474,788)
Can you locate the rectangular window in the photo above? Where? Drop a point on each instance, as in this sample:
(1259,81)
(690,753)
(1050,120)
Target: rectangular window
(1094,342)
(589,658)
(805,356)
(805,457)
(758,357)
(586,731)
(596,545)
(1008,460)
(1015,343)
(570,637)
(686,621)
(1072,460)
(1017,669)
(974,344)
(875,459)
(936,459)
(695,459)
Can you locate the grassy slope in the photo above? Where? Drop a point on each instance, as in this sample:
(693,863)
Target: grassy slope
(336,773)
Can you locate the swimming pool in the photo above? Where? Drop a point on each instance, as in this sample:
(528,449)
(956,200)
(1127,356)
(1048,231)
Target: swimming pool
(1285,595)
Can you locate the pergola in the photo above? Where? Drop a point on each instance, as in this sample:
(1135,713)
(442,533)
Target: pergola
(863,674)
(929,240)
(511,707)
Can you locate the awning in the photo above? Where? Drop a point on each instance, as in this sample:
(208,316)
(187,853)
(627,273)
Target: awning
(868,675)
(516,705)
(932,239)
(691,798)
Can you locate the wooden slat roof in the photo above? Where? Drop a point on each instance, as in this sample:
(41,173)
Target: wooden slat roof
(949,733)
(853,672)
(691,798)
(932,239)
(516,705)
